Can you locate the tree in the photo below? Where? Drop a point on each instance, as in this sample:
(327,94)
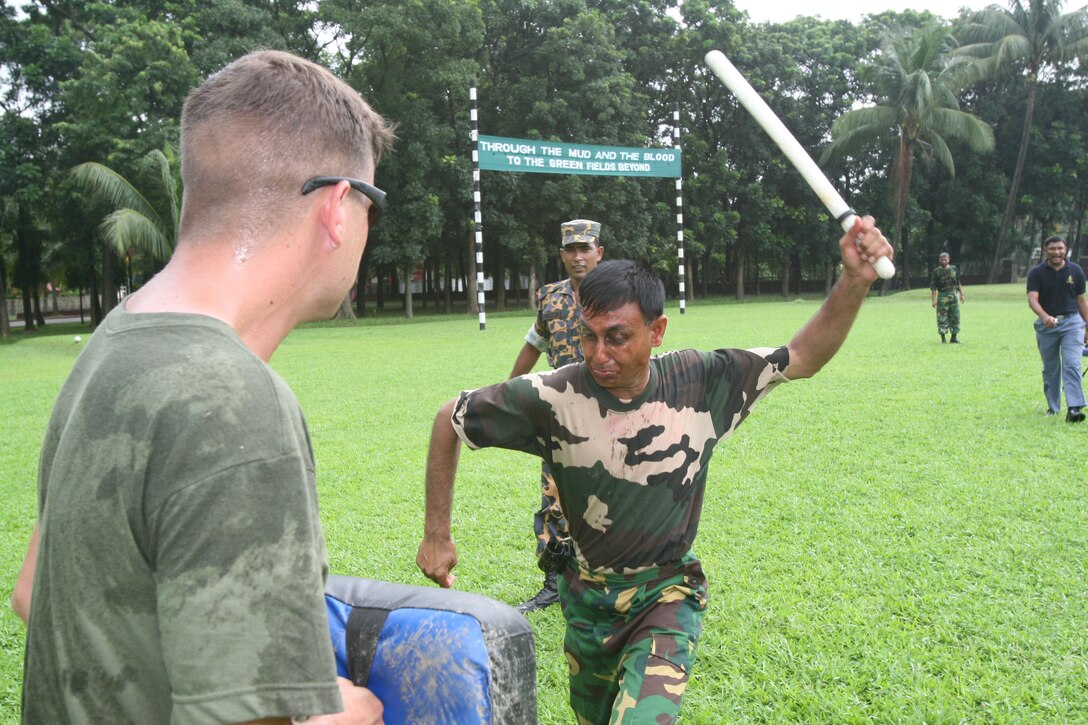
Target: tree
(144,222)
(1030,38)
(916,81)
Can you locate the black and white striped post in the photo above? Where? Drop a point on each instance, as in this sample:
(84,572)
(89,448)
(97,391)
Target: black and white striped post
(476,216)
(679,208)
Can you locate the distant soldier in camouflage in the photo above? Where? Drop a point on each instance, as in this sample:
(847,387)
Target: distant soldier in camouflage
(556,332)
(628,437)
(947,294)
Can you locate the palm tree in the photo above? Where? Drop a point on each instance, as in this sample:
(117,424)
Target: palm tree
(142,221)
(1030,37)
(915,80)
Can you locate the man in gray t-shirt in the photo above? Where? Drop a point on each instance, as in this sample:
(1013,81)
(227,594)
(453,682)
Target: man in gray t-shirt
(177,570)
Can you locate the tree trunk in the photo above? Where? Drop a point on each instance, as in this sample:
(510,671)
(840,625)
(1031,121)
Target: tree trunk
(360,288)
(902,172)
(500,279)
(689,285)
(1014,189)
(408,274)
(109,280)
(787,265)
(435,275)
(533,287)
(704,278)
(345,312)
(38,316)
(473,284)
(739,262)
(5,320)
(381,288)
(24,265)
(448,292)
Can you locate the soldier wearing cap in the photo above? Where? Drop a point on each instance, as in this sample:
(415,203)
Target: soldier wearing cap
(556,333)
(946,294)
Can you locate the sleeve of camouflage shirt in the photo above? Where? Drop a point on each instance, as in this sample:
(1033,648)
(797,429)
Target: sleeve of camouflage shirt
(752,373)
(538,334)
(507,415)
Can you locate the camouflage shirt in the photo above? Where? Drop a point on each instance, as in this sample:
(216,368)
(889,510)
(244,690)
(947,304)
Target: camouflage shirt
(945,279)
(631,474)
(557,330)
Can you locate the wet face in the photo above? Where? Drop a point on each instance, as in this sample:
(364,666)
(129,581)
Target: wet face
(580,259)
(1055,254)
(617,347)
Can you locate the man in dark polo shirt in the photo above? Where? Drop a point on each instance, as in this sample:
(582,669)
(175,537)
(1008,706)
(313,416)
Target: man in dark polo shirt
(1056,296)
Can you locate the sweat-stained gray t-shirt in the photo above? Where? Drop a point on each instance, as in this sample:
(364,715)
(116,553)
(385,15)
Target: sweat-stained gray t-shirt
(181,566)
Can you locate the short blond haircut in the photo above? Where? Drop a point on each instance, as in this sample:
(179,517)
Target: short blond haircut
(254,132)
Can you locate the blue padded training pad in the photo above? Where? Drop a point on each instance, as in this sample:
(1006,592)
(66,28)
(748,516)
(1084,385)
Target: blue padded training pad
(440,656)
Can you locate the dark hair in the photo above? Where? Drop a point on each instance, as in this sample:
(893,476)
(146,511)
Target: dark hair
(1054,238)
(613,283)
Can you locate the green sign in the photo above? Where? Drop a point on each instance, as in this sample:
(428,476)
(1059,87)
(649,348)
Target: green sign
(549,157)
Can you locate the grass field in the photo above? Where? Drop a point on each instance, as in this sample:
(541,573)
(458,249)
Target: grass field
(900,539)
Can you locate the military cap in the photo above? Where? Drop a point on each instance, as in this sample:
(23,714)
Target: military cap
(580,231)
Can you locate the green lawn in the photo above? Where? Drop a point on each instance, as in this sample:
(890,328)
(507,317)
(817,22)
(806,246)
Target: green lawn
(900,539)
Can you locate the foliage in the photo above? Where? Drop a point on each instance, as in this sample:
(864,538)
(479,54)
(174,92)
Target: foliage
(142,221)
(103,82)
(1028,39)
(916,80)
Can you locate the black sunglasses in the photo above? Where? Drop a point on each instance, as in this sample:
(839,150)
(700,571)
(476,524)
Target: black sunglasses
(376,195)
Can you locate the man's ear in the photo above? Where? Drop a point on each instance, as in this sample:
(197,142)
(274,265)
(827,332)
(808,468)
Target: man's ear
(332,215)
(600,253)
(657,330)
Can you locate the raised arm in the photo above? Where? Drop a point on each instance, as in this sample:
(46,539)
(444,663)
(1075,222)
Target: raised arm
(823,335)
(437,553)
(526,360)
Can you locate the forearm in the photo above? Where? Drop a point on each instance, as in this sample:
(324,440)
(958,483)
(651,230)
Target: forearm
(442,458)
(1033,303)
(437,553)
(822,336)
(20,598)
(526,360)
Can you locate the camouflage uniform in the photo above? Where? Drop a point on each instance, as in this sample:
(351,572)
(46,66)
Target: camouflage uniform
(631,476)
(556,333)
(946,281)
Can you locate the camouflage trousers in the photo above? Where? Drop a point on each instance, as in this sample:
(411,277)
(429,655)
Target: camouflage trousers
(948,313)
(630,641)
(549,522)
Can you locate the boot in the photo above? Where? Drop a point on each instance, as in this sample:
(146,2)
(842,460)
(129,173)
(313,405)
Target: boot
(547,596)
(942,339)
(954,340)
